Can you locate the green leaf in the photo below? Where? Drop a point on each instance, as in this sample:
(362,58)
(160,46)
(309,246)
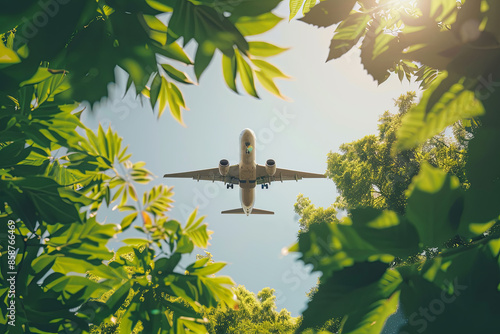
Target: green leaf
(7,56)
(386,231)
(371,319)
(255,25)
(184,245)
(116,300)
(173,51)
(246,75)
(251,8)
(294,7)
(229,71)
(128,220)
(352,289)
(208,269)
(264,49)
(270,71)
(331,247)
(435,205)
(175,102)
(470,277)
(269,84)
(160,5)
(329,12)
(308,4)
(347,34)
(456,104)
(203,57)
(136,242)
(176,74)
(203,23)
(162,97)
(41,74)
(483,171)
(43,194)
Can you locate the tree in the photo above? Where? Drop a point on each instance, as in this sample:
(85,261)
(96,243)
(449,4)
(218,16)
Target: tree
(456,46)
(309,214)
(367,173)
(56,173)
(254,314)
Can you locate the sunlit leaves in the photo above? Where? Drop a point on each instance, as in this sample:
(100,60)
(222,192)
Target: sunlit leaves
(229,70)
(264,49)
(203,57)
(85,241)
(379,49)
(173,51)
(131,37)
(54,195)
(435,205)
(330,246)
(347,34)
(171,95)
(197,231)
(176,74)
(428,119)
(352,291)
(41,74)
(246,8)
(329,12)
(294,7)
(252,69)
(270,70)
(158,200)
(205,24)
(246,75)
(37,198)
(255,25)
(7,56)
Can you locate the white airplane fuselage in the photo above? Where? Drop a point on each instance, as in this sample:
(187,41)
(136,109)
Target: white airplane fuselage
(247,169)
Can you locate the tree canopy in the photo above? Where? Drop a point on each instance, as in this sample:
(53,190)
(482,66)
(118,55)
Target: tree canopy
(255,314)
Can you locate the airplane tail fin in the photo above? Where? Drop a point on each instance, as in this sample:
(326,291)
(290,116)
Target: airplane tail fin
(254,212)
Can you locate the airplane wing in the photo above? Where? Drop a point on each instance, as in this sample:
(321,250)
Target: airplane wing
(284,175)
(211,174)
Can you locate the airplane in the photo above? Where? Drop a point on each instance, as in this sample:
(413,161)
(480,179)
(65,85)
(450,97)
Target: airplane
(247,174)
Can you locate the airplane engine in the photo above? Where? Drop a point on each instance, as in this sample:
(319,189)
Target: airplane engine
(223,167)
(270,167)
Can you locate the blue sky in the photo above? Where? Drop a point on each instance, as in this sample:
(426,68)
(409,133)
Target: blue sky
(332,103)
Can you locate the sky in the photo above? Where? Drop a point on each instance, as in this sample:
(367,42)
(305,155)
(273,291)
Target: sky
(331,103)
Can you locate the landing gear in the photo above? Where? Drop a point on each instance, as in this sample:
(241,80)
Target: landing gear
(229,186)
(264,186)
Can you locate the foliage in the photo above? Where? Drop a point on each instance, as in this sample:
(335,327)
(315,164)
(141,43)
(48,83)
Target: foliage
(39,39)
(367,173)
(309,214)
(55,175)
(354,256)
(358,283)
(450,46)
(255,314)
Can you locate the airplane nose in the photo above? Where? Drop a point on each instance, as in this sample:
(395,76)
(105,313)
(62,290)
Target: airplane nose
(245,131)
